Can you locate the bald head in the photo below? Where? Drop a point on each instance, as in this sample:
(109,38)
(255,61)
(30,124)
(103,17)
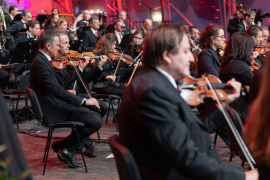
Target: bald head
(147,25)
(122,15)
(86,15)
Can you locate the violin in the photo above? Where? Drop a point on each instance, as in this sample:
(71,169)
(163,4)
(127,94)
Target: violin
(254,66)
(139,48)
(222,50)
(195,90)
(115,56)
(91,55)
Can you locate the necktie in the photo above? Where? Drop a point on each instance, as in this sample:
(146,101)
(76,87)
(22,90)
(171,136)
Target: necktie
(177,88)
(194,43)
(51,61)
(96,34)
(120,36)
(246,28)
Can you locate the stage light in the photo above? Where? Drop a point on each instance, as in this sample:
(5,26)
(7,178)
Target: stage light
(91,12)
(97,11)
(156,16)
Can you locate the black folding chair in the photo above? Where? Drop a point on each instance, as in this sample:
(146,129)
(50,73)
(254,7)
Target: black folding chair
(18,94)
(126,164)
(39,116)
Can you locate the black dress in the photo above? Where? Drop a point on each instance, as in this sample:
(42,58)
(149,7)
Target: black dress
(241,72)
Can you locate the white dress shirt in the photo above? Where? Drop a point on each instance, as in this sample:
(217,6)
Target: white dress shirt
(94,31)
(11,17)
(168,76)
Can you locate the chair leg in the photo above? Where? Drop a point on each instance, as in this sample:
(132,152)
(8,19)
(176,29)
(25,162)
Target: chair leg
(115,119)
(81,148)
(48,148)
(15,116)
(243,163)
(215,140)
(98,137)
(18,102)
(108,111)
(231,156)
(47,144)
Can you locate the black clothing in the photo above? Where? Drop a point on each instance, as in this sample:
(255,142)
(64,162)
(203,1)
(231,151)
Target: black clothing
(110,28)
(59,105)
(256,84)
(80,30)
(4,79)
(208,62)
(90,39)
(241,72)
(8,20)
(263,170)
(166,138)
(51,27)
(17,26)
(232,23)
(240,27)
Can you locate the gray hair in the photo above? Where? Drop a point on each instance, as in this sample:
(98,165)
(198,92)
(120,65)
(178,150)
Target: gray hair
(61,33)
(25,12)
(47,36)
(92,18)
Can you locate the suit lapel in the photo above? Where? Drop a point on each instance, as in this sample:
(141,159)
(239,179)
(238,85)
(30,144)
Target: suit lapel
(214,53)
(93,35)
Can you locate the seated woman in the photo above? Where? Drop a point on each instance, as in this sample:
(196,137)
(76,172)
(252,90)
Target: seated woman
(208,60)
(105,84)
(61,25)
(256,131)
(235,64)
(136,41)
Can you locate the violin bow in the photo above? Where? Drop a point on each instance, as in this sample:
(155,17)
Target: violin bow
(75,84)
(136,58)
(118,63)
(236,134)
(137,64)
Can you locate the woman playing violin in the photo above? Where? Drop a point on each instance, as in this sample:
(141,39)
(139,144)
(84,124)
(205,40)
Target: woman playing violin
(105,84)
(62,26)
(235,64)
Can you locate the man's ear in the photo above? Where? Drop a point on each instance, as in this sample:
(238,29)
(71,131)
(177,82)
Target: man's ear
(166,57)
(253,37)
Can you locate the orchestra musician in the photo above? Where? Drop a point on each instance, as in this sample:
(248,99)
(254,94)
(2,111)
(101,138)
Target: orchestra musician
(256,33)
(12,12)
(57,103)
(105,83)
(147,25)
(52,22)
(208,61)
(122,19)
(265,36)
(194,38)
(55,11)
(166,138)
(118,32)
(86,17)
(248,21)
(17,26)
(238,17)
(256,130)
(235,64)
(89,75)
(61,25)
(91,35)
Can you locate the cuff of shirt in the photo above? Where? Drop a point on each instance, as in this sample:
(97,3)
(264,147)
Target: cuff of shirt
(83,101)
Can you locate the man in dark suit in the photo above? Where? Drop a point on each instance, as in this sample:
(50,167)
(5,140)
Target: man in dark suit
(12,12)
(91,35)
(57,102)
(166,138)
(86,17)
(118,32)
(124,24)
(18,26)
(243,26)
(194,35)
(233,22)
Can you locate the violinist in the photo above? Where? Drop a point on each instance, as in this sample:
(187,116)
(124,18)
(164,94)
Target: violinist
(209,59)
(265,36)
(58,104)
(167,139)
(89,75)
(248,21)
(52,22)
(238,17)
(256,33)
(12,12)
(235,64)
(256,130)
(105,84)
(194,39)
(62,26)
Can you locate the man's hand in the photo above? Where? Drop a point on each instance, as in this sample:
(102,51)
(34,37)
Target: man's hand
(197,49)
(252,175)
(236,91)
(111,77)
(102,61)
(84,62)
(92,102)
(72,91)
(255,55)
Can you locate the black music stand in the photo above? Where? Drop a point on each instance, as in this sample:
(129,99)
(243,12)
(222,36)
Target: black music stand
(75,45)
(41,18)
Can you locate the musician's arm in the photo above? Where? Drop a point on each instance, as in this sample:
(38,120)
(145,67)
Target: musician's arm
(13,28)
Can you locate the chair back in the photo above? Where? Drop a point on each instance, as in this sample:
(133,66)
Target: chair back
(35,103)
(24,81)
(126,165)
(239,126)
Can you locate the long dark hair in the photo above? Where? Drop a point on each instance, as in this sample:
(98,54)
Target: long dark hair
(210,31)
(239,47)
(104,43)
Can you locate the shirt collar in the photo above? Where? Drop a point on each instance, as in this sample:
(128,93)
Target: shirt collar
(245,24)
(47,56)
(94,31)
(168,76)
(11,17)
(23,21)
(29,35)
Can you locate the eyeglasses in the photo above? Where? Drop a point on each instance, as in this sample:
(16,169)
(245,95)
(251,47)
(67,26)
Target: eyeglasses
(264,36)
(137,38)
(222,37)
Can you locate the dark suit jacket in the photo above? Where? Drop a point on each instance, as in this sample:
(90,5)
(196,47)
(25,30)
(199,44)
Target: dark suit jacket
(90,39)
(52,90)
(51,27)
(240,27)
(208,62)
(110,27)
(14,29)
(79,32)
(8,20)
(232,23)
(166,138)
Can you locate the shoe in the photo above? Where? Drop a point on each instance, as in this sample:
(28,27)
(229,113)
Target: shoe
(57,146)
(69,158)
(90,151)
